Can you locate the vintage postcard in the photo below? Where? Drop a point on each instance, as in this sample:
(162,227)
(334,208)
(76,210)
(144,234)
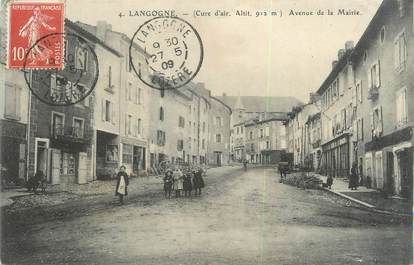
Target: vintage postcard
(207,132)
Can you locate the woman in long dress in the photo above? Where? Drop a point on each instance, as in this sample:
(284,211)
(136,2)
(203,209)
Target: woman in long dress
(122,183)
(353,180)
(178,182)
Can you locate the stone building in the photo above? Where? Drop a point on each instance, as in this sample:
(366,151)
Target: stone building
(14,117)
(266,139)
(218,146)
(133,97)
(245,108)
(383,63)
(338,113)
(61,142)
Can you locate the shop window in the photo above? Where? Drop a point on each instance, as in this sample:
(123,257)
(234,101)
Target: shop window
(111,153)
(67,164)
(12,101)
(127,153)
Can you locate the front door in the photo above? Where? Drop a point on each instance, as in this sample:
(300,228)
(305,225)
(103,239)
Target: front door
(42,157)
(406,172)
(136,160)
(390,173)
(218,158)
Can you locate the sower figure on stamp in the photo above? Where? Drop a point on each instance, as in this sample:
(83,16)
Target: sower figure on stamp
(122,183)
(31,30)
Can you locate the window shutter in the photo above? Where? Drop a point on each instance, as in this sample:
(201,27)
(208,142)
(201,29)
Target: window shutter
(372,121)
(362,128)
(380,120)
(360,91)
(378,75)
(18,92)
(103,110)
(369,78)
(126,124)
(113,113)
(53,82)
(396,54)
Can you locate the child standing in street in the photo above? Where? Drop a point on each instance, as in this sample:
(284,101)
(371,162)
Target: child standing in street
(122,183)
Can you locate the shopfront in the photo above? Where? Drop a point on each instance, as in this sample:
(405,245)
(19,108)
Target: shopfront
(336,157)
(389,162)
(13,156)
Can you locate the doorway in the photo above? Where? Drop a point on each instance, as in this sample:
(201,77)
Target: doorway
(218,158)
(406,171)
(42,156)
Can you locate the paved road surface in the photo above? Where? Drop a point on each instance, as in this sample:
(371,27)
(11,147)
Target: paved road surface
(241,218)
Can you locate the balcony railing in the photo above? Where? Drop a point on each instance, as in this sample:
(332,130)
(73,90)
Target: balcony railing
(69,133)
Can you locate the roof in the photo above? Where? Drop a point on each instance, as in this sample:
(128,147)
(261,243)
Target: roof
(92,29)
(335,71)
(385,9)
(261,103)
(90,36)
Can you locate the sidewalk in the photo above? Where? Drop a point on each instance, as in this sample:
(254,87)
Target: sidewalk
(64,192)
(370,198)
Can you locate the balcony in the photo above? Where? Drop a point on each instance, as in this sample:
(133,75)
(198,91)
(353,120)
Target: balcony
(69,134)
(373,93)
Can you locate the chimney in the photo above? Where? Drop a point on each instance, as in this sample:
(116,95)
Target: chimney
(224,94)
(101,28)
(349,45)
(334,63)
(341,53)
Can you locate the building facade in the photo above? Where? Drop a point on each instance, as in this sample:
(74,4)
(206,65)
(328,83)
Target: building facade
(14,117)
(61,137)
(338,114)
(218,146)
(383,65)
(266,139)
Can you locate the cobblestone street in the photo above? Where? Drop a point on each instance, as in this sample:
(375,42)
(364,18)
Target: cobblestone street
(241,218)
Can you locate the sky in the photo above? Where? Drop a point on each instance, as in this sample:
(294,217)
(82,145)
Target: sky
(251,56)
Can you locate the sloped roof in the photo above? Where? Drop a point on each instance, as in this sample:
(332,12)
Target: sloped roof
(262,103)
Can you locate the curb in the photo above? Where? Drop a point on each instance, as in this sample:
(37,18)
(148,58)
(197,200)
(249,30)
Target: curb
(367,205)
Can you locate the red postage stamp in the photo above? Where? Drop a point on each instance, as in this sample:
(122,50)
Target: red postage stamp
(29,22)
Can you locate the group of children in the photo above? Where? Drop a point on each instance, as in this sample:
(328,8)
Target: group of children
(183,180)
